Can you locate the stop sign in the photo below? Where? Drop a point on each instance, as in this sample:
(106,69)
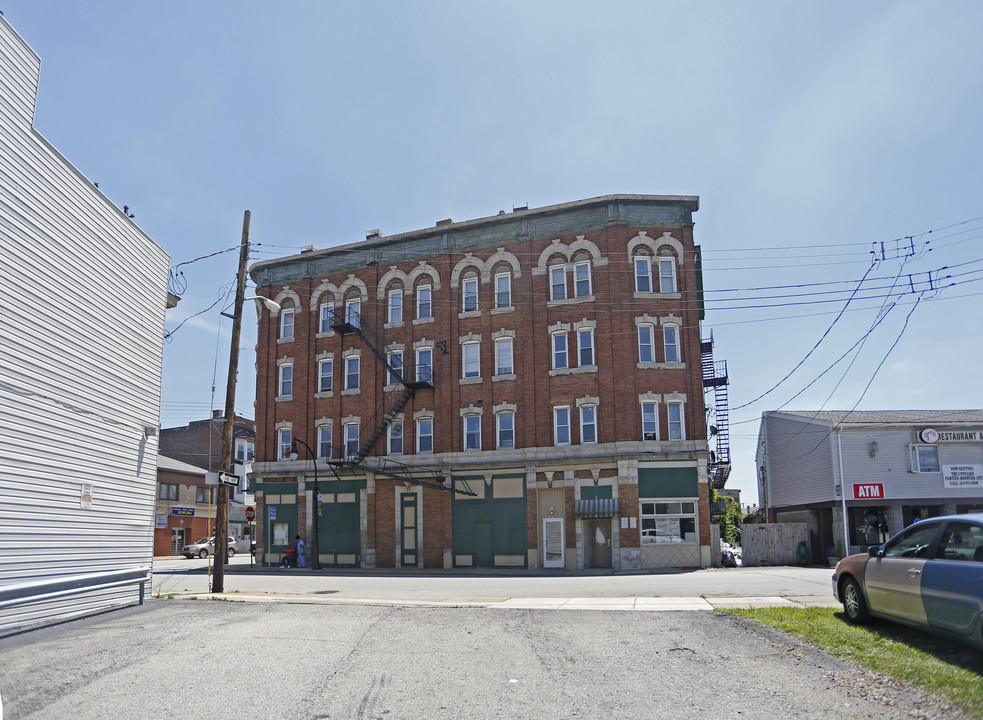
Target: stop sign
(250,514)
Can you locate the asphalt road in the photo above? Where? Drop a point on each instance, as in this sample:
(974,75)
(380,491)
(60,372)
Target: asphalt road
(207,659)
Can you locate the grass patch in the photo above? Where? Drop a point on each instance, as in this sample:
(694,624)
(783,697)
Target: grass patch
(937,665)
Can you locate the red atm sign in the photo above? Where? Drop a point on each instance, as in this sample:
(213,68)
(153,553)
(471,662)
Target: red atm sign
(868,491)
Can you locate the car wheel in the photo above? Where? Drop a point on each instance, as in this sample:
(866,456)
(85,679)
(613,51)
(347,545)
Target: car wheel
(232,553)
(854,604)
(203,553)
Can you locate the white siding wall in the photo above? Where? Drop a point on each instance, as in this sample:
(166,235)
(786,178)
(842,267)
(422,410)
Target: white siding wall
(800,461)
(82,301)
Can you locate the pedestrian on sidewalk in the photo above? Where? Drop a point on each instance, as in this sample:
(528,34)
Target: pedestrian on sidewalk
(301,552)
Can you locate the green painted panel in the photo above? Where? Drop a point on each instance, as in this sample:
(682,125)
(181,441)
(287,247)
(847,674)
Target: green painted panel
(667,482)
(338,529)
(487,526)
(599,492)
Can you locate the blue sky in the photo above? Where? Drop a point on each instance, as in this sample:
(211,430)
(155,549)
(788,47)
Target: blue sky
(810,131)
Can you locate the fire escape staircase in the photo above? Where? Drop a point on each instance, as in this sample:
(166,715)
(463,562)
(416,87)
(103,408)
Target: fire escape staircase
(715,376)
(405,380)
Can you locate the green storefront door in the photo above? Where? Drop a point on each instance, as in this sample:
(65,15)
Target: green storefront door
(338,529)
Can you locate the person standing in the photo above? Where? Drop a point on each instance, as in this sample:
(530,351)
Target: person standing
(301,552)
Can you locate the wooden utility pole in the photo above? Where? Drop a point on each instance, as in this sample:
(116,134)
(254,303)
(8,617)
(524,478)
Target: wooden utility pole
(222,512)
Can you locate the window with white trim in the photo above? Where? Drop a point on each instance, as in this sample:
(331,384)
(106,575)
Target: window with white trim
(285,385)
(667,275)
(469,294)
(472,432)
(287,313)
(351,440)
(396,438)
(396,305)
(471,357)
(643,273)
(561,360)
(585,346)
(395,373)
(558,282)
(650,421)
(424,302)
(925,459)
(588,424)
(424,364)
(561,426)
(424,435)
(646,344)
(353,311)
(325,439)
(674,413)
(352,372)
(245,450)
(670,336)
(325,375)
(671,522)
(505,422)
(503,357)
(284,442)
(503,290)
(582,279)
(325,314)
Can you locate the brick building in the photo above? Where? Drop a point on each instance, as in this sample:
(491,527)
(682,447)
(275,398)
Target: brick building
(522,390)
(200,442)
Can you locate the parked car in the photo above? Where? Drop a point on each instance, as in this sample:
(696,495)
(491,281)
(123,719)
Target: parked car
(204,547)
(930,575)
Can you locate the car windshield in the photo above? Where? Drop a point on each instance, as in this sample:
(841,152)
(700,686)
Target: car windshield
(203,541)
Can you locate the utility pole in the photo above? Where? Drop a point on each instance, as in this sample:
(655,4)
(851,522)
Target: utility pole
(222,511)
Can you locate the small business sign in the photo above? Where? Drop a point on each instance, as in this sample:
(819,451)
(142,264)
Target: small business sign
(967,435)
(868,491)
(272,512)
(183,512)
(962,476)
(160,522)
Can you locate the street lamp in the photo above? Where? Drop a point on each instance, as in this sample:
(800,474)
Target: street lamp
(317,498)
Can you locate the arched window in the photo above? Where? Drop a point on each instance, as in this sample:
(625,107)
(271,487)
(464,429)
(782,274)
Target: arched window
(667,274)
(643,272)
(287,313)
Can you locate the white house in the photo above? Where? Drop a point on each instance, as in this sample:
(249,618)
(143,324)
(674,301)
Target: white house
(83,292)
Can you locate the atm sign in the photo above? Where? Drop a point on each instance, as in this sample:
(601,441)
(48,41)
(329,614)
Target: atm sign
(868,491)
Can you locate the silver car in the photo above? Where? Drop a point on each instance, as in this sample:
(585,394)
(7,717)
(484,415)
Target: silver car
(204,547)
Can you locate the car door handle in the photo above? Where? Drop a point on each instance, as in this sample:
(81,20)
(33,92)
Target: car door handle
(914,571)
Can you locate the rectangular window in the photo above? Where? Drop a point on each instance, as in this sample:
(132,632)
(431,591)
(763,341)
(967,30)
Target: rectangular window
(674,411)
(469,291)
(286,388)
(472,432)
(424,435)
(581,280)
(245,450)
(560,359)
(506,429)
(671,337)
(351,440)
(646,344)
(424,302)
(203,495)
(353,312)
(396,438)
(643,274)
(558,283)
(503,290)
(287,323)
(168,491)
(284,441)
(668,523)
(325,439)
(351,372)
(503,357)
(395,372)
(667,275)
(561,426)
(325,317)
(585,341)
(650,422)
(471,352)
(325,376)
(424,365)
(925,458)
(396,305)
(588,424)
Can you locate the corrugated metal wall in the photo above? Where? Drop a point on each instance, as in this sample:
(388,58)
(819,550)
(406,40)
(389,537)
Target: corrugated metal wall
(82,302)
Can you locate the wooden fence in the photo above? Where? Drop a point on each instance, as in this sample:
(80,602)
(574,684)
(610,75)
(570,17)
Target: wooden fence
(775,544)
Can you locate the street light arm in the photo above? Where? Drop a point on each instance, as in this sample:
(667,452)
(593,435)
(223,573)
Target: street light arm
(271,305)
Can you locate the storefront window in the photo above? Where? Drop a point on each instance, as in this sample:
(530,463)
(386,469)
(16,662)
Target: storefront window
(668,522)
(925,458)
(868,526)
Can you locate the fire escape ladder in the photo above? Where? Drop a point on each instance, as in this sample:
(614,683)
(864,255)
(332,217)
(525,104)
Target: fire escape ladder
(715,376)
(383,424)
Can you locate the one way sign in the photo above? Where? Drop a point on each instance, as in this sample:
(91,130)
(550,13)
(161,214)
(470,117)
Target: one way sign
(221,478)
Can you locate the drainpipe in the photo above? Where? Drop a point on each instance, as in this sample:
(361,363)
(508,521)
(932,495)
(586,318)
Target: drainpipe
(846,530)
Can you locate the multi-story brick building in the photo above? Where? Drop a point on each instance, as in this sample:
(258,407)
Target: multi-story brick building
(199,442)
(521,390)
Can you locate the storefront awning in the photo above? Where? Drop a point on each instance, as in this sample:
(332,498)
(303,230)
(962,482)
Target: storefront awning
(596,508)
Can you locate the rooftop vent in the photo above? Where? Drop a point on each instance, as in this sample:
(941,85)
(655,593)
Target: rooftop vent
(307,249)
(517,208)
(445,221)
(374,233)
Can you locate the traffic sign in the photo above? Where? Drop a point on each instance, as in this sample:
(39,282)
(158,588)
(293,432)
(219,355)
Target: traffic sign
(272,512)
(228,478)
(250,514)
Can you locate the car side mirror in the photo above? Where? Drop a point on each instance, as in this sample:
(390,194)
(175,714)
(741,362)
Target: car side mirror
(874,551)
